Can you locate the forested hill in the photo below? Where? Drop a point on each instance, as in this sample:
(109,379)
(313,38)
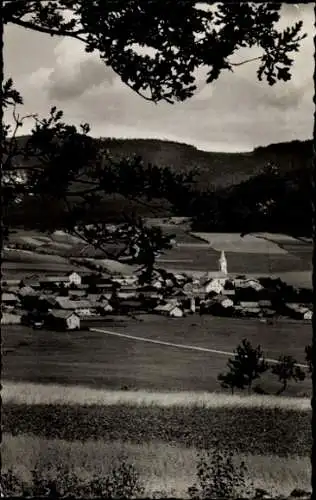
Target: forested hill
(234,184)
(216,169)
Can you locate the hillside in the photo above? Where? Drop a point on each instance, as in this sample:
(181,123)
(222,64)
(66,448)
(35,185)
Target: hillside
(216,169)
(233,177)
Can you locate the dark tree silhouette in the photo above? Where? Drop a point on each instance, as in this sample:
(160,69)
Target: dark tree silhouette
(286,369)
(309,357)
(246,366)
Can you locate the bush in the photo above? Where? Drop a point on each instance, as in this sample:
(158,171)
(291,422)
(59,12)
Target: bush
(122,482)
(219,477)
(11,484)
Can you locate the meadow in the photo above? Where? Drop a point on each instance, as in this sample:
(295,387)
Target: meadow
(98,360)
(165,469)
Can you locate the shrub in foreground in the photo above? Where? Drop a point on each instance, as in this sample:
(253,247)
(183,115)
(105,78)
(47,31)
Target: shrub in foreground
(122,482)
(219,477)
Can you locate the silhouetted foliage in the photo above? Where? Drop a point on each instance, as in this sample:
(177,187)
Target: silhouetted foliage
(286,370)
(246,366)
(219,477)
(309,357)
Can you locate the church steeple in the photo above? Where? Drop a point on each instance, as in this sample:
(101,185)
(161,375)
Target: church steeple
(223,263)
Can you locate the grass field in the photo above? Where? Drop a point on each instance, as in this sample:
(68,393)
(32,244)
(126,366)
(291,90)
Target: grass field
(96,359)
(163,467)
(277,431)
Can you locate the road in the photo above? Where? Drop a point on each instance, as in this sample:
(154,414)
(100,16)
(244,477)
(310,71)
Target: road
(180,346)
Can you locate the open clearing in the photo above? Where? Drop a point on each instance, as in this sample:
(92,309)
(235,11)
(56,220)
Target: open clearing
(96,359)
(163,467)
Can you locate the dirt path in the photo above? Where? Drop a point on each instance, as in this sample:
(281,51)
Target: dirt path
(180,346)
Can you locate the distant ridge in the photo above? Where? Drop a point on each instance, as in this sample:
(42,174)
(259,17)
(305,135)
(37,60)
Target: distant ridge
(216,169)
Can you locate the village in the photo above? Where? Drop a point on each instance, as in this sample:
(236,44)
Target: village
(66,302)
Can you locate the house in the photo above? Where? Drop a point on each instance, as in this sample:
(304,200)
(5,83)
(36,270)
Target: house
(268,312)
(169,309)
(80,307)
(252,312)
(219,305)
(297,311)
(225,302)
(308,315)
(215,285)
(126,306)
(104,308)
(11,289)
(74,278)
(10,319)
(53,280)
(26,291)
(228,292)
(245,304)
(157,284)
(251,283)
(127,292)
(9,299)
(63,320)
(77,293)
(10,283)
(265,303)
(94,298)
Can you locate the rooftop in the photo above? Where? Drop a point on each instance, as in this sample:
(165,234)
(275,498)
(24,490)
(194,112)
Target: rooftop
(57,313)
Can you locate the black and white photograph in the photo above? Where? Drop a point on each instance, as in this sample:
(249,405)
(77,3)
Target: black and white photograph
(158,245)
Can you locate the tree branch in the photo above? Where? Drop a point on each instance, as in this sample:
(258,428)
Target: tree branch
(48,31)
(245,61)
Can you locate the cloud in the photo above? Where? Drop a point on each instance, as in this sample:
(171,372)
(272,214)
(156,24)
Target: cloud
(76,72)
(237,112)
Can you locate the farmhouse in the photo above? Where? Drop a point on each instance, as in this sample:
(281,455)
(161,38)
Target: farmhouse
(46,302)
(63,320)
(251,312)
(9,299)
(149,291)
(81,307)
(104,307)
(265,303)
(77,293)
(126,306)
(249,305)
(157,284)
(10,283)
(170,309)
(27,291)
(10,319)
(127,292)
(297,311)
(74,278)
(215,285)
(219,305)
(55,280)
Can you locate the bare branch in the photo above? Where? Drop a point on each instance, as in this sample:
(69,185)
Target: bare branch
(245,61)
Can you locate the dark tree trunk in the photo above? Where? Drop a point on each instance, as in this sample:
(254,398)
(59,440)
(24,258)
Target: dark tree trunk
(313,454)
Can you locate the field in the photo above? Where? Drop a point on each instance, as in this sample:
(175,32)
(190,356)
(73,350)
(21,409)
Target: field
(160,438)
(163,467)
(96,359)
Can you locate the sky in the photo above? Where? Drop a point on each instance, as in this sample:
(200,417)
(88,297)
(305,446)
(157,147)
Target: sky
(236,113)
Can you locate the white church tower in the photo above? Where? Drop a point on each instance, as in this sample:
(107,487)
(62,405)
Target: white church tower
(223,263)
